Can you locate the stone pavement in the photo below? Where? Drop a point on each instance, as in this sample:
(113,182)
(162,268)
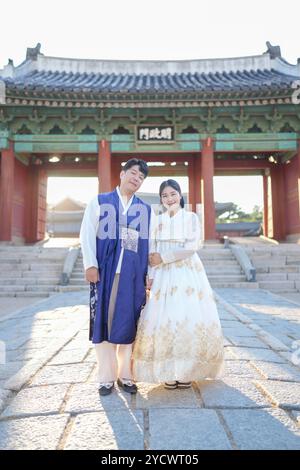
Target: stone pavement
(49,398)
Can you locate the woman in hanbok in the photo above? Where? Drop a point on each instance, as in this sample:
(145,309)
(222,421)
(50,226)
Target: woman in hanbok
(179,337)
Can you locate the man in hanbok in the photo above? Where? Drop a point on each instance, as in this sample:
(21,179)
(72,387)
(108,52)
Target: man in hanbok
(114,240)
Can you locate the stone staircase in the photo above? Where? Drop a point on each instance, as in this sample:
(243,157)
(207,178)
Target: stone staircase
(77,279)
(222,268)
(35,271)
(30,271)
(277,266)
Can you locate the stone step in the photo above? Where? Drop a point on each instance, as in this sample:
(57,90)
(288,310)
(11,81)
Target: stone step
(227,278)
(24,294)
(42,274)
(27,266)
(271,277)
(11,272)
(45,266)
(269,264)
(45,288)
(77,275)
(219,263)
(224,270)
(286,269)
(293,263)
(30,281)
(217,257)
(77,282)
(26,258)
(279,286)
(73,288)
(235,285)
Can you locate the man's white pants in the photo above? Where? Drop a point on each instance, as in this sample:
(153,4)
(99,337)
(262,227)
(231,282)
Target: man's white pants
(114,360)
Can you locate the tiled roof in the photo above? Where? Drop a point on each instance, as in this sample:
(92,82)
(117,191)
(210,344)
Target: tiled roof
(244,80)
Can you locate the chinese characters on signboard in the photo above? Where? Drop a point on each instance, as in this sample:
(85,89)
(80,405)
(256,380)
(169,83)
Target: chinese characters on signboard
(155,133)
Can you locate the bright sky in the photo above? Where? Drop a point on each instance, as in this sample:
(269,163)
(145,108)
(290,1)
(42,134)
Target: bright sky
(226,189)
(156,29)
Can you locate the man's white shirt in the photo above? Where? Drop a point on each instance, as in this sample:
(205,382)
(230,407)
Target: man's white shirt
(89,229)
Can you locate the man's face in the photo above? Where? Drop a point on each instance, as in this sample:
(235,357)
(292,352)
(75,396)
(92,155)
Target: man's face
(132,179)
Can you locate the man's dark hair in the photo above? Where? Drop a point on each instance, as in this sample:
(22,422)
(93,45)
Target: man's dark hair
(143,167)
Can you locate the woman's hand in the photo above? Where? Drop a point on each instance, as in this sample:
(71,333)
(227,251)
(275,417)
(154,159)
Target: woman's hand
(155,259)
(149,283)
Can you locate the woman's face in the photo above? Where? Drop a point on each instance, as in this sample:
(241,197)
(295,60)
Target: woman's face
(170,199)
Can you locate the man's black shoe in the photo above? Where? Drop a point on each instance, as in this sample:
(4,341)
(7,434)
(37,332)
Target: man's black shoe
(128,386)
(105,389)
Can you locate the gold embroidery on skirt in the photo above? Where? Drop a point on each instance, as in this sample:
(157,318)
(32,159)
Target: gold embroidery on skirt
(189,290)
(203,344)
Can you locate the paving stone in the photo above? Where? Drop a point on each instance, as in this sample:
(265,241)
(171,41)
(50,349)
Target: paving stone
(204,430)
(240,331)
(36,400)
(75,344)
(34,433)
(122,430)
(69,357)
(91,357)
(62,374)
(10,368)
(156,396)
(226,342)
(85,397)
(255,354)
(296,416)
(250,342)
(282,394)
(268,429)
(273,371)
(235,392)
(240,368)
(4,396)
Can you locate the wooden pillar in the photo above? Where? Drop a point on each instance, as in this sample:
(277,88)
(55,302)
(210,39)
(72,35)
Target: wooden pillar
(191,176)
(36,206)
(104,167)
(278,202)
(266,206)
(7,192)
(115,173)
(197,176)
(207,173)
(298,161)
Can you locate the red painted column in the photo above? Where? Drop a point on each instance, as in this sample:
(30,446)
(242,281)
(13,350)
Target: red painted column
(191,177)
(104,167)
(298,158)
(7,192)
(198,195)
(115,173)
(266,208)
(36,205)
(278,202)
(207,173)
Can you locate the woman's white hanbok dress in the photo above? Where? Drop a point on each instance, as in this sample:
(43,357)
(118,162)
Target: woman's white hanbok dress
(179,334)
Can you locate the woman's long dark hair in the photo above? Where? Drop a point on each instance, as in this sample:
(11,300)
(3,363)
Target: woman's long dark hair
(173,185)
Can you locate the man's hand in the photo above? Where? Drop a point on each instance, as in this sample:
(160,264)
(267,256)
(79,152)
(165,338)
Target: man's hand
(155,259)
(92,275)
